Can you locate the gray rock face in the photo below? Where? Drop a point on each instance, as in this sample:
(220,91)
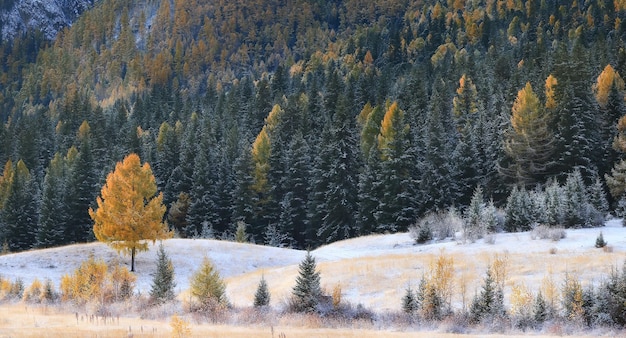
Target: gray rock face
(49,16)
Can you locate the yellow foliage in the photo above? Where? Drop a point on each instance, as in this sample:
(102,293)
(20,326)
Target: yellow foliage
(551,82)
(92,281)
(619,143)
(87,283)
(207,287)
(526,109)
(33,292)
(180,327)
(606,80)
(336,296)
(129,213)
(550,290)
(261,150)
(5,288)
(521,300)
(442,276)
(273,118)
(392,127)
(499,269)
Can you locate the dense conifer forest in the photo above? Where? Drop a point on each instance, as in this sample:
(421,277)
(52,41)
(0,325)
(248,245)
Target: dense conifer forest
(313,121)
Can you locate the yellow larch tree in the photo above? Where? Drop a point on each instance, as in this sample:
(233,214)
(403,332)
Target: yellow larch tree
(129,213)
(604,84)
(529,143)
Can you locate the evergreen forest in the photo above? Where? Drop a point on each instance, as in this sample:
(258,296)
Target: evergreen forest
(312,121)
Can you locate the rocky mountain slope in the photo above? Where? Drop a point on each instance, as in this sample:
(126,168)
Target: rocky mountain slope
(45,15)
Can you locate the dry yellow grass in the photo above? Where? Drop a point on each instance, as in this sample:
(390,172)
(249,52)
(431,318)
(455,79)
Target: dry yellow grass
(21,321)
(384,278)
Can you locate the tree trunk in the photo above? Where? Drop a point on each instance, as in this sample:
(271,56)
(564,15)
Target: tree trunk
(132,259)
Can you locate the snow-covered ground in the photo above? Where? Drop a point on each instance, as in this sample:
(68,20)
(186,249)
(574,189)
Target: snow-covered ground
(372,270)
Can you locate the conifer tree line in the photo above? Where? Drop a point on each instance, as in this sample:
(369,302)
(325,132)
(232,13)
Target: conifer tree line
(400,112)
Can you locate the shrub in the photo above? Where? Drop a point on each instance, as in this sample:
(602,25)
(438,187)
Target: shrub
(33,292)
(545,232)
(180,327)
(421,233)
(92,281)
(436,225)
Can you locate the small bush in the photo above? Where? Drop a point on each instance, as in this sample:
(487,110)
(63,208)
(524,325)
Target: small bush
(545,232)
(33,293)
(600,242)
(92,281)
(436,225)
(421,233)
(180,327)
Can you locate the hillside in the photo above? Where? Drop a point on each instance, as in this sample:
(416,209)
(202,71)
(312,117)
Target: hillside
(17,17)
(372,270)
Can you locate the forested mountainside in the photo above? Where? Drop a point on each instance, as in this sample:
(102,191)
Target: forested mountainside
(47,17)
(314,121)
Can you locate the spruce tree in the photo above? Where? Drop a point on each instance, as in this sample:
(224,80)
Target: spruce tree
(163,284)
(19,214)
(52,218)
(540,309)
(409,302)
(519,211)
(397,205)
(307,291)
(489,304)
(262,295)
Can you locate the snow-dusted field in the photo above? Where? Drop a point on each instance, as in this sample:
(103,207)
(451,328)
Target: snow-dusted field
(372,270)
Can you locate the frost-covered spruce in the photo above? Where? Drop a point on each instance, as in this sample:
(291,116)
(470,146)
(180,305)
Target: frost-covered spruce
(163,282)
(262,295)
(307,292)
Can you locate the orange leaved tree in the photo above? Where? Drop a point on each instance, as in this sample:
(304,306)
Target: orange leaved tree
(129,212)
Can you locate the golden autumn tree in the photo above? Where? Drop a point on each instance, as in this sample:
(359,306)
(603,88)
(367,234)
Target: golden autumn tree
(529,143)
(129,212)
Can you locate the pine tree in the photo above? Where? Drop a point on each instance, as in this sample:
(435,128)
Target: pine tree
(474,225)
(262,295)
(52,218)
(519,211)
(163,284)
(439,174)
(19,215)
(600,242)
(207,287)
(540,309)
(307,291)
(293,215)
(81,191)
(202,207)
(578,137)
(409,302)
(242,205)
(334,188)
(489,304)
(576,203)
